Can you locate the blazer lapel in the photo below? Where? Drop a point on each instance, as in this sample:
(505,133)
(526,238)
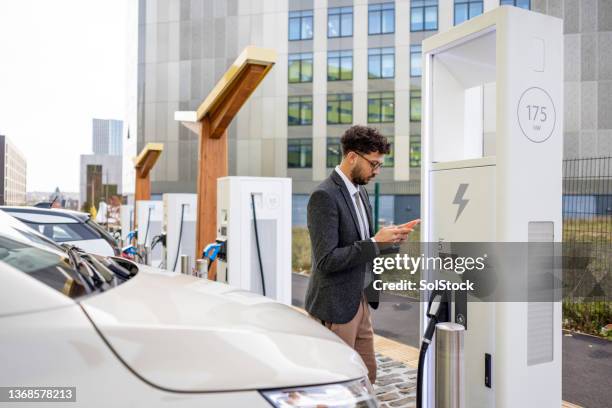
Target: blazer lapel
(347,199)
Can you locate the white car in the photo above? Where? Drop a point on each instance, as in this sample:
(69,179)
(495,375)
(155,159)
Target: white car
(129,335)
(66,226)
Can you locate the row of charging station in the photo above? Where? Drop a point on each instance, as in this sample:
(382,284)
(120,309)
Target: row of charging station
(253,233)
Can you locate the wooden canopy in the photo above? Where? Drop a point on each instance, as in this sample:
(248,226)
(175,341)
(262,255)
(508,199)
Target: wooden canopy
(211,121)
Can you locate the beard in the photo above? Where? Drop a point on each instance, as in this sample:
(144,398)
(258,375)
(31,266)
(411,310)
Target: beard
(359,178)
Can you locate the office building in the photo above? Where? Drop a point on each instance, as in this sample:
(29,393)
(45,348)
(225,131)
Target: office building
(107,136)
(13,169)
(340,62)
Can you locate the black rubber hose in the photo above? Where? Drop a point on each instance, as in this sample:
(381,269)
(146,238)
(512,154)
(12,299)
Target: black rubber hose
(148,224)
(178,247)
(263,282)
(419,390)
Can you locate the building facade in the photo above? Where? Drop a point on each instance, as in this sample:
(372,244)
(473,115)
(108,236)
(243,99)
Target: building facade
(107,136)
(13,170)
(340,62)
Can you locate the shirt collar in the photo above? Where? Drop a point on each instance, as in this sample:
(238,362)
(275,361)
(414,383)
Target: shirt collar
(352,188)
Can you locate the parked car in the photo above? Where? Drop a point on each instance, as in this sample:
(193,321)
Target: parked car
(130,335)
(66,226)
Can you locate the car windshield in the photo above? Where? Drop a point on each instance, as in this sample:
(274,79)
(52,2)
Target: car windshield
(64,232)
(50,268)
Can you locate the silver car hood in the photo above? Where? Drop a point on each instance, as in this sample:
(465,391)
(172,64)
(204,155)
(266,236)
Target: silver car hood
(183,333)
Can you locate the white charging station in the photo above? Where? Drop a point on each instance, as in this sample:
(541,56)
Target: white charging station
(492,142)
(126,215)
(180,214)
(150,215)
(240,266)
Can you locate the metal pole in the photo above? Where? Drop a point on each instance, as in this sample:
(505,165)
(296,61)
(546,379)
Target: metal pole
(185,264)
(376,205)
(449,384)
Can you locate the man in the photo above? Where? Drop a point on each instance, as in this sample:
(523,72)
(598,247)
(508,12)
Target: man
(343,244)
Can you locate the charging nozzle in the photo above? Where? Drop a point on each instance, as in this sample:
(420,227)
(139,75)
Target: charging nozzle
(437,311)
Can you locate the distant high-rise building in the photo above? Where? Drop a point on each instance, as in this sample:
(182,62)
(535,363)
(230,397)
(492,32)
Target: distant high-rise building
(12,174)
(107,136)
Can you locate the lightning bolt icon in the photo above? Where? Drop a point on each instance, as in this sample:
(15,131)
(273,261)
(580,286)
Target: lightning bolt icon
(459,200)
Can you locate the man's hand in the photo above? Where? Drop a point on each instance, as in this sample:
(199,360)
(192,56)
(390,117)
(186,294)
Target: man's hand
(396,233)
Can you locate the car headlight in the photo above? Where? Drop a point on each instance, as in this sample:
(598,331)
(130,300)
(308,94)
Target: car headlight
(356,393)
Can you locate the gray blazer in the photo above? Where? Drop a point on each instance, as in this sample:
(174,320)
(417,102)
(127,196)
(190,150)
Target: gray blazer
(339,255)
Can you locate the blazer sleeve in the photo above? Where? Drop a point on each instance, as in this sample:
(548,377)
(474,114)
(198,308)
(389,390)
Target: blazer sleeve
(323,226)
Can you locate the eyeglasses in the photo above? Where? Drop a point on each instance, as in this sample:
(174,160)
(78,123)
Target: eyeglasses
(374,164)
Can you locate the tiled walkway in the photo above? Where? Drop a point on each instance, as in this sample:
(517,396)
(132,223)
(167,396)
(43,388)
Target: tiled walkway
(396,381)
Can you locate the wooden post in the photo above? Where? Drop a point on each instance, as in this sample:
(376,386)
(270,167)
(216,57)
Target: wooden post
(215,115)
(143,164)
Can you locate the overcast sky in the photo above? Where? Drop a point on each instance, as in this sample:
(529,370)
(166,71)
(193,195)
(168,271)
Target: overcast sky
(62,63)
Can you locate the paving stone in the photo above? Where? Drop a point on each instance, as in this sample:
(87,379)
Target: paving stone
(408,401)
(392,364)
(383,390)
(391,396)
(389,381)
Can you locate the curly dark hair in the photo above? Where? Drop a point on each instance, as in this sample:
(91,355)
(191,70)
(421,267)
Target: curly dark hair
(364,139)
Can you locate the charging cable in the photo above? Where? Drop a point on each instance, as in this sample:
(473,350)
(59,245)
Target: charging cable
(433,313)
(178,247)
(263,282)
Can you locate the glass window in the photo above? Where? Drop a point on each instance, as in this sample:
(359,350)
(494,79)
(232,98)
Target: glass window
(466,9)
(299,153)
(381,107)
(64,232)
(415,105)
(340,22)
(381,18)
(340,65)
(381,63)
(415,60)
(48,267)
(300,67)
(424,15)
(334,152)
(300,25)
(339,109)
(415,151)
(526,4)
(300,110)
(389,158)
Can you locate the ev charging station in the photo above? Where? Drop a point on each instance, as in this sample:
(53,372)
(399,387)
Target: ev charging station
(179,223)
(254,226)
(492,140)
(150,216)
(126,215)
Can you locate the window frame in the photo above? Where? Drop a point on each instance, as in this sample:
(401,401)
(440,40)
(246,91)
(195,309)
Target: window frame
(382,51)
(302,101)
(301,142)
(301,16)
(340,58)
(301,66)
(468,3)
(381,8)
(415,95)
(341,12)
(415,140)
(329,143)
(381,97)
(413,52)
(341,99)
(501,3)
(423,8)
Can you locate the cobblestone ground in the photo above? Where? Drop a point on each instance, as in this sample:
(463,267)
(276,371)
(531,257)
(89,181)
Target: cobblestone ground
(395,383)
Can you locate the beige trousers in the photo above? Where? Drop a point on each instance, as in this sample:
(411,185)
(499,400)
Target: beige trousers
(359,334)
